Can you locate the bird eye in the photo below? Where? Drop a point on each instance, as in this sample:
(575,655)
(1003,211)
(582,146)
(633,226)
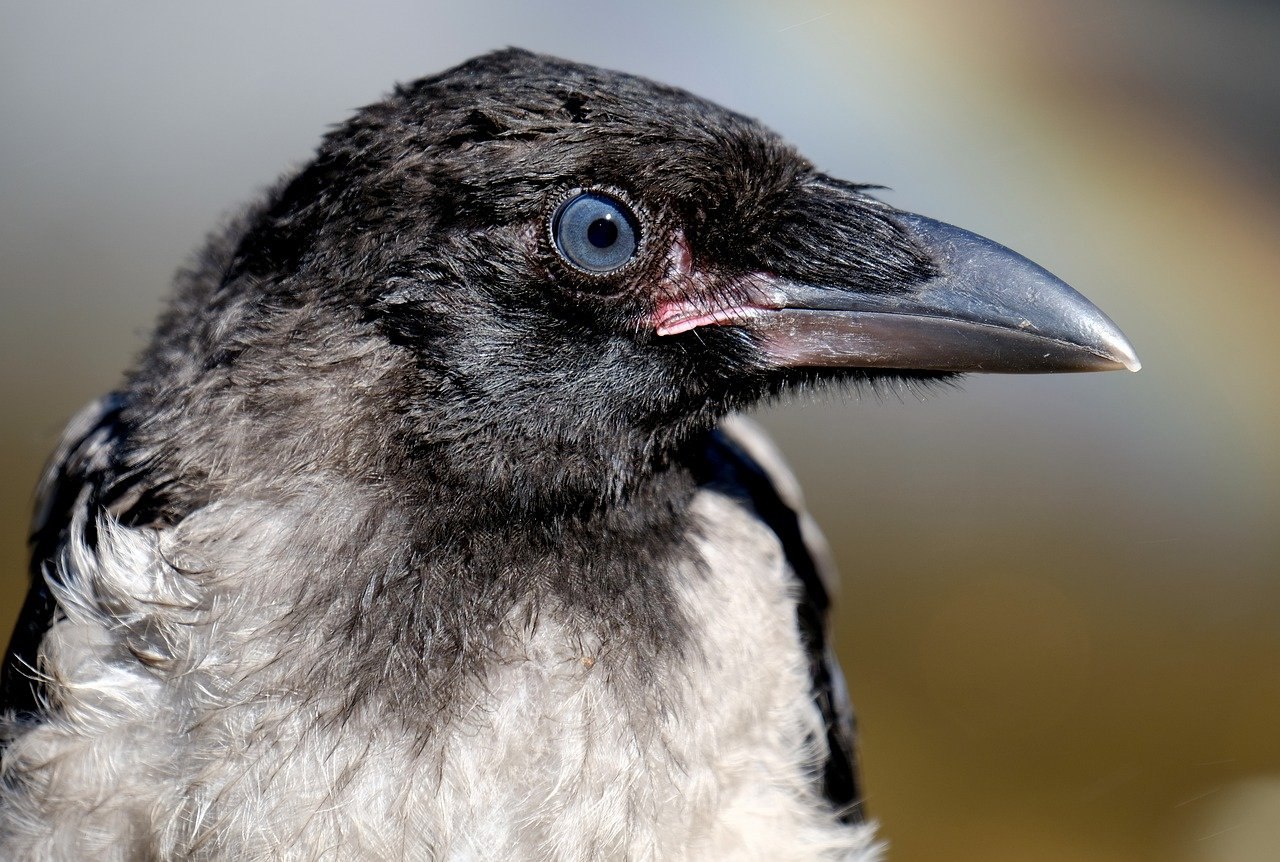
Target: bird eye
(595,232)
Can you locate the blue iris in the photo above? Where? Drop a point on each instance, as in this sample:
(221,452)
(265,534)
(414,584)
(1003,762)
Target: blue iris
(595,231)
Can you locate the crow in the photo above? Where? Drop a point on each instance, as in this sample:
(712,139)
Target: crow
(424,529)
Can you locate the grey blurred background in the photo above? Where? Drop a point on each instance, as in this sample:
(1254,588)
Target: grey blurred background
(1061,608)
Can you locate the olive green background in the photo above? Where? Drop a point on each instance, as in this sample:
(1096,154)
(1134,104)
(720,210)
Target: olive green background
(1060,617)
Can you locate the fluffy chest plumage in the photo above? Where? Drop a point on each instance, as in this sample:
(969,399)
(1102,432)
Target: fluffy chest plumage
(559,750)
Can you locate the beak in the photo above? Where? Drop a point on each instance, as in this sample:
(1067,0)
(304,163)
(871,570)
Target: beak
(989,309)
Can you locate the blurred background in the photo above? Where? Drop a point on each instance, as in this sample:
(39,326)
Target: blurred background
(1060,617)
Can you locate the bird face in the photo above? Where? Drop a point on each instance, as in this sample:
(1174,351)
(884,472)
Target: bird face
(583,261)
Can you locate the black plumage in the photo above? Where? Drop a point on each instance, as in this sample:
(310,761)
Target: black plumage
(476,422)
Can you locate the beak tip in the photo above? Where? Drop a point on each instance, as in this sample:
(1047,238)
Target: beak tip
(1118,349)
(976,266)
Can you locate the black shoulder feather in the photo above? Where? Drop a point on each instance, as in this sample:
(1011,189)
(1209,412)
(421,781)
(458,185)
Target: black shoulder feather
(80,480)
(740,461)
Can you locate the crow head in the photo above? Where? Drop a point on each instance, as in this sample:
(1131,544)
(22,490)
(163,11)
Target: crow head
(573,272)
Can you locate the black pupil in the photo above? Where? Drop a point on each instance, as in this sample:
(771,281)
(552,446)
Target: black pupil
(602,233)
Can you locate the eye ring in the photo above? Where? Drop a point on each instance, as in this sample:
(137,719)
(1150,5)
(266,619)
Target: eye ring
(595,231)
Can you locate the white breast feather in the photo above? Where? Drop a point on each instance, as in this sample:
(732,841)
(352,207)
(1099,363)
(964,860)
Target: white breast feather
(176,733)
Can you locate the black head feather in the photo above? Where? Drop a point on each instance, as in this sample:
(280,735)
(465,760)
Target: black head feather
(418,238)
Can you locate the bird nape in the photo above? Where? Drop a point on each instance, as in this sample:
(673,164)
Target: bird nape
(423,530)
